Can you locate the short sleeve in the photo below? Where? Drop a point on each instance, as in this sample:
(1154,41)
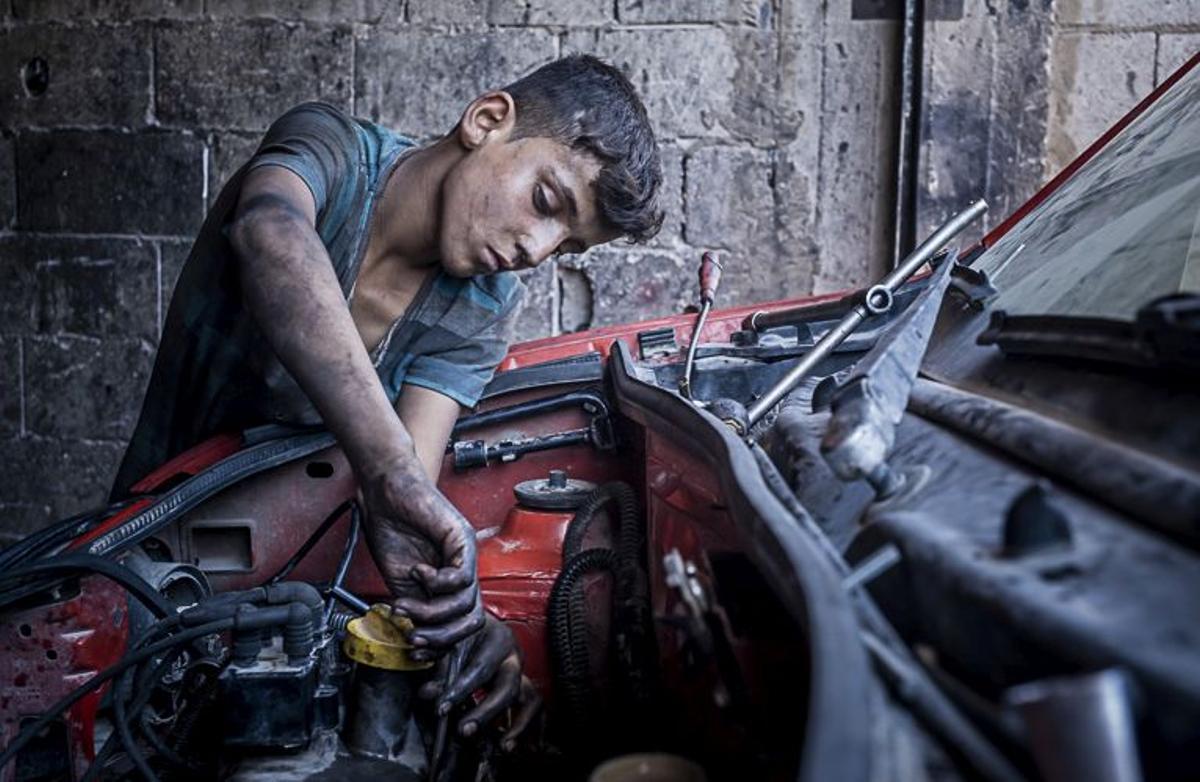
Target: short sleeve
(317,143)
(462,371)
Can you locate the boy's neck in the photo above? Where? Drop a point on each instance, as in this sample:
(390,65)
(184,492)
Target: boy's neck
(409,213)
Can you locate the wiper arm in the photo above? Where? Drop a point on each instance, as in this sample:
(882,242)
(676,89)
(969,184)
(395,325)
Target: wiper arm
(1164,336)
(872,401)
(878,299)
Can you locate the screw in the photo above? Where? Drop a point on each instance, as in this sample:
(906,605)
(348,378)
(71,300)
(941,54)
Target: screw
(557,479)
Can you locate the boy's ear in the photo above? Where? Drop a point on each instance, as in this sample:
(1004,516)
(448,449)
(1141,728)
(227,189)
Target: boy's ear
(492,114)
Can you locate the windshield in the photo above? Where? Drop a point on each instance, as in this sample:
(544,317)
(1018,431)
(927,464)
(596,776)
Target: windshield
(1125,229)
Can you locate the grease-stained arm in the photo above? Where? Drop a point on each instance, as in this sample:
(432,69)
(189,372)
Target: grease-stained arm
(423,546)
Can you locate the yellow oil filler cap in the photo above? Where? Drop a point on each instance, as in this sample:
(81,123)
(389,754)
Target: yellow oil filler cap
(378,639)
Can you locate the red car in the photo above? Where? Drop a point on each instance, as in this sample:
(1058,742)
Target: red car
(945,527)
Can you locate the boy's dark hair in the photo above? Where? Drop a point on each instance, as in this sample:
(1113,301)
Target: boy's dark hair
(587,104)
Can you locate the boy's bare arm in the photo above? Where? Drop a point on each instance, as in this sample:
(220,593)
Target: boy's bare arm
(423,546)
(429,418)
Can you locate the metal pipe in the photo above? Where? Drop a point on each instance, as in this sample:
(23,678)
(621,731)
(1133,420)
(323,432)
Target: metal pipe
(908,144)
(710,279)
(1080,727)
(877,299)
(685,385)
(350,599)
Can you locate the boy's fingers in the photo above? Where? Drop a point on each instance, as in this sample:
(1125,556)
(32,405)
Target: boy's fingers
(480,669)
(529,703)
(444,581)
(504,690)
(450,633)
(437,610)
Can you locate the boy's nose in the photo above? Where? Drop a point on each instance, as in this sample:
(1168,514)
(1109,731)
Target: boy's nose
(540,244)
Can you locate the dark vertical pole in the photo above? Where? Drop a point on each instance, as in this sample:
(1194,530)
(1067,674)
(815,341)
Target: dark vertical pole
(908,134)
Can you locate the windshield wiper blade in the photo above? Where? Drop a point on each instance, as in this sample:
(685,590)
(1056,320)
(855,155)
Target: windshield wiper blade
(1164,336)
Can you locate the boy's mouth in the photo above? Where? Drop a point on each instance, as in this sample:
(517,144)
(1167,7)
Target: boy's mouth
(495,260)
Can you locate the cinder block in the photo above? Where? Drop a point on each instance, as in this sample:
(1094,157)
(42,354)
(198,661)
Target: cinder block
(172,256)
(10,386)
(420,82)
(18,519)
(110,182)
(86,75)
(670,196)
(1095,79)
(368,11)
(1128,13)
(1175,49)
(857,140)
(575,13)
(627,284)
(17,289)
(86,388)
(49,479)
(730,203)
(8,183)
(668,11)
(241,76)
(469,13)
(537,316)
(227,152)
(95,287)
(107,10)
(715,82)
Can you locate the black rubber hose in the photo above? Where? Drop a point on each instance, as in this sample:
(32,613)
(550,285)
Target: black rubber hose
(71,564)
(631,592)
(37,726)
(38,543)
(140,694)
(299,592)
(121,720)
(627,509)
(568,639)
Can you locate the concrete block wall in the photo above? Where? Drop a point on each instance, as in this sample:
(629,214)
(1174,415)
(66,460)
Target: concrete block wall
(121,119)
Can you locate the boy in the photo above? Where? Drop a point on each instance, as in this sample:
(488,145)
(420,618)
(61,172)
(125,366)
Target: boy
(345,275)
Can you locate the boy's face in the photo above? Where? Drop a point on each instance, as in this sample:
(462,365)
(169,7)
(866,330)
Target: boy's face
(511,204)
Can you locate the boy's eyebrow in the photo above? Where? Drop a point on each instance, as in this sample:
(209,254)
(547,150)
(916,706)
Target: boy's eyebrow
(567,193)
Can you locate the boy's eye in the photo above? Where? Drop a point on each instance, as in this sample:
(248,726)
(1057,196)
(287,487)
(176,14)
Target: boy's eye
(540,202)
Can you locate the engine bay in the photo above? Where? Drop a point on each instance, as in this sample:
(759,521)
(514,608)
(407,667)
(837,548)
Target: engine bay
(913,567)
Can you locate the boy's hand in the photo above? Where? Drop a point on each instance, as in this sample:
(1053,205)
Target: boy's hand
(426,552)
(493,663)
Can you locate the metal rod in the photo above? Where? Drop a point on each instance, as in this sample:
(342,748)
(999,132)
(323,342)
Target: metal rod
(872,567)
(685,386)
(852,319)
(350,599)
(908,144)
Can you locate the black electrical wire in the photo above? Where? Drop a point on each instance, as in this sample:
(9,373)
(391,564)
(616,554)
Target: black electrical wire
(37,726)
(344,562)
(71,564)
(218,607)
(568,639)
(309,544)
(121,723)
(40,542)
(143,689)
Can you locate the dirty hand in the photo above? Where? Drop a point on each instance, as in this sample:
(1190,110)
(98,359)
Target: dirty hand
(425,550)
(493,662)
